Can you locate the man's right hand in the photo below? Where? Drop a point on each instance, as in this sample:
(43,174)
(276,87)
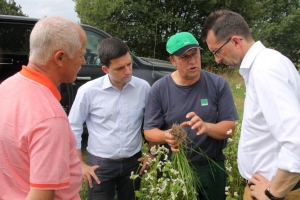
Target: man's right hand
(170,139)
(88,172)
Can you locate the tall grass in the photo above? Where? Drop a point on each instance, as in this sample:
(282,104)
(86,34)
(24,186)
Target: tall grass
(235,183)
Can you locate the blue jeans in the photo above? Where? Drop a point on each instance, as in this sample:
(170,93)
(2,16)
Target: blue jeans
(114,176)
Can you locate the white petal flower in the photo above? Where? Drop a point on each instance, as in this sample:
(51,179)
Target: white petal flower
(229,132)
(229,169)
(133,176)
(153,150)
(227,188)
(184,191)
(173,195)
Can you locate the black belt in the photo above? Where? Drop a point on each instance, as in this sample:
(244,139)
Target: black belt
(137,155)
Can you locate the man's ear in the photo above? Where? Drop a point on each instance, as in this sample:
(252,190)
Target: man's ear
(58,57)
(105,69)
(236,40)
(171,58)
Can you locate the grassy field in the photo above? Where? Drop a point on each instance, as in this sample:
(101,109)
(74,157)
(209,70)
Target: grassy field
(235,183)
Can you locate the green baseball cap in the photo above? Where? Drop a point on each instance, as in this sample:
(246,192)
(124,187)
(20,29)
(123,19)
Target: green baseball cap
(180,43)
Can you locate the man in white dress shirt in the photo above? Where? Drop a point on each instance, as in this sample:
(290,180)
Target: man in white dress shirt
(269,147)
(113,108)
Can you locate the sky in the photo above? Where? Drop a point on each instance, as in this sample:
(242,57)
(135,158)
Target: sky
(41,8)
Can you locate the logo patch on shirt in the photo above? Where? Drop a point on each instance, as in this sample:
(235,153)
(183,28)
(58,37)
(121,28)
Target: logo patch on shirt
(204,102)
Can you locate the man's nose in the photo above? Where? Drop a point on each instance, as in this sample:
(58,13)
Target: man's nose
(217,59)
(128,69)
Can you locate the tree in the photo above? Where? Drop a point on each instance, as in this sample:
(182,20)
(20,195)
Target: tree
(10,8)
(146,25)
(277,26)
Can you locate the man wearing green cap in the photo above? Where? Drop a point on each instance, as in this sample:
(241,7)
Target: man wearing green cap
(202,103)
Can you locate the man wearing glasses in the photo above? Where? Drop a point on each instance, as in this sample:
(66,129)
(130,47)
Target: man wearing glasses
(215,53)
(269,147)
(202,103)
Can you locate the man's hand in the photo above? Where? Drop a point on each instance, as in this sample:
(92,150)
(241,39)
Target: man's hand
(258,185)
(88,172)
(145,165)
(195,123)
(170,139)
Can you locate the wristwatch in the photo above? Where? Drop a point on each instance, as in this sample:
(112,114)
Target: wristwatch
(270,196)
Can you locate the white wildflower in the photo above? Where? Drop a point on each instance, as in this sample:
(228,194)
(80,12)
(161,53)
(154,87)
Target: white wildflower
(227,188)
(174,171)
(235,194)
(184,191)
(229,132)
(229,169)
(152,190)
(133,176)
(148,177)
(173,195)
(153,150)
(166,157)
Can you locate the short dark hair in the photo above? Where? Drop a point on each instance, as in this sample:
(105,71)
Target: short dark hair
(224,24)
(111,48)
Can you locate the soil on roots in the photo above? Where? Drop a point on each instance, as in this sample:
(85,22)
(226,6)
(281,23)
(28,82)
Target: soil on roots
(178,132)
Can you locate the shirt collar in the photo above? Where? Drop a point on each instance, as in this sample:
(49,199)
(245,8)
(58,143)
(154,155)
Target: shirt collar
(250,57)
(108,84)
(41,79)
(251,54)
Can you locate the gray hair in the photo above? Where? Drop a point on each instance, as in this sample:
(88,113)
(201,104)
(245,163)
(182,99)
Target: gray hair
(51,34)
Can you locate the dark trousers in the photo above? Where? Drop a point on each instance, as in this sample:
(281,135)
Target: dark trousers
(213,181)
(114,176)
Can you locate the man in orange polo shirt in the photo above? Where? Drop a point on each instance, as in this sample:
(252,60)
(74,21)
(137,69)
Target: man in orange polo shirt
(37,146)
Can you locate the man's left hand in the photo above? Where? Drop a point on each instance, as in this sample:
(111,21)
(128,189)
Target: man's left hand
(258,185)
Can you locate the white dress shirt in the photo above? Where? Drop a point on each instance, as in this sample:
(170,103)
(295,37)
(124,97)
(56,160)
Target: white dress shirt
(113,118)
(270,136)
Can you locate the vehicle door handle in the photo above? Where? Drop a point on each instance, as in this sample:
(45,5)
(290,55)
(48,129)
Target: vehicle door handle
(87,78)
(7,61)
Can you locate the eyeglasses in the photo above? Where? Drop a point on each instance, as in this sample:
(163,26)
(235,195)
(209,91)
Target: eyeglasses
(215,53)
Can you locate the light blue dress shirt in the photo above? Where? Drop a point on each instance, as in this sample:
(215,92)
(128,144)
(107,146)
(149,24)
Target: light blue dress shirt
(113,117)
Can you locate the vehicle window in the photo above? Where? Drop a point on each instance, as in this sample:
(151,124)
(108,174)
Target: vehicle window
(14,39)
(91,55)
(14,48)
